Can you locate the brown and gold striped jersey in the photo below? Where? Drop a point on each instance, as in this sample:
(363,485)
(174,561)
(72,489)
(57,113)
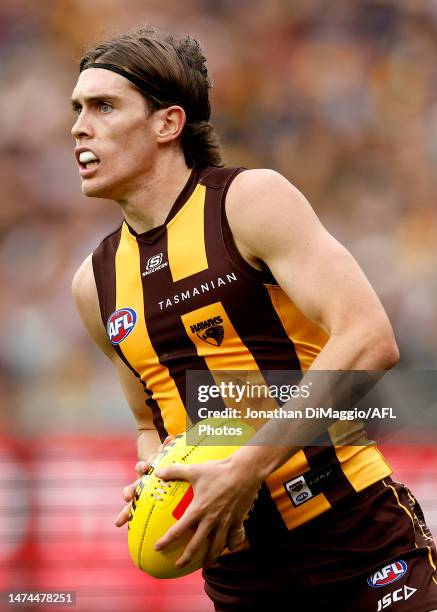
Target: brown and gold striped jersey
(181,297)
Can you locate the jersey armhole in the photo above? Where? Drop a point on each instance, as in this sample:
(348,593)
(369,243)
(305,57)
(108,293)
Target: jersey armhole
(263,276)
(103,264)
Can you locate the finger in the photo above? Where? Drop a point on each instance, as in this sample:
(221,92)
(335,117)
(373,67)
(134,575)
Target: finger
(122,518)
(186,522)
(128,492)
(176,471)
(142,467)
(236,537)
(194,546)
(217,544)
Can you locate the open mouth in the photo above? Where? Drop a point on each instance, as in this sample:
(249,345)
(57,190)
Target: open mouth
(88,160)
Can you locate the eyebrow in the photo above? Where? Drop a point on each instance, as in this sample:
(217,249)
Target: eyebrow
(97,98)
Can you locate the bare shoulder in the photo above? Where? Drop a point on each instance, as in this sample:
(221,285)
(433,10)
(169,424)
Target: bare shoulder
(259,178)
(83,286)
(85,296)
(262,206)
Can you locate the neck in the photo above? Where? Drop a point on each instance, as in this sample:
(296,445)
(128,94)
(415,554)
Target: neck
(150,204)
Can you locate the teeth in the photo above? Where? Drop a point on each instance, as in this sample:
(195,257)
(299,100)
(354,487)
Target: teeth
(92,164)
(87,156)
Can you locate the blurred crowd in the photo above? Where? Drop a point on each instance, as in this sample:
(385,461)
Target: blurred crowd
(339,96)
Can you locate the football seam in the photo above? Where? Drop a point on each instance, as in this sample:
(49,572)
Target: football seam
(182,459)
(200,442)
(144,535)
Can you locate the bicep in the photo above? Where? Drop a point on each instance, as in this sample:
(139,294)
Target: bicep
(279,227)
(85,296)
(324,281)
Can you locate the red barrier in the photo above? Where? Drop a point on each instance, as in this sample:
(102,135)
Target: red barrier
(58,504)
(58,500)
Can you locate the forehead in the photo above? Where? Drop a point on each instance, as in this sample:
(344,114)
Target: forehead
(98,81)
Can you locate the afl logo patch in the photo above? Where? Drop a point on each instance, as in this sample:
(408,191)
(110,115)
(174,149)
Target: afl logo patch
(120,324)
(387,574)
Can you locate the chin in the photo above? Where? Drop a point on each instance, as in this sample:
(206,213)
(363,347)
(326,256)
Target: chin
(95,190)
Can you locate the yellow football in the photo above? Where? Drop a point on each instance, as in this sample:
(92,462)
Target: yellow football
(157,505)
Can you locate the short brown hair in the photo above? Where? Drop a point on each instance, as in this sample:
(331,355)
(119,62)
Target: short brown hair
(174,71)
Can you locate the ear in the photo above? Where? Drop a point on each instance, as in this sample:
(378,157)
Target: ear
(170,123)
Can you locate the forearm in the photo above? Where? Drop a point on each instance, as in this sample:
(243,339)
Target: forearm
(147,443)
(330,381)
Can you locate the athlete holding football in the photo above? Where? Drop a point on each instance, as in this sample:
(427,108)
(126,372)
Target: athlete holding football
(203,245)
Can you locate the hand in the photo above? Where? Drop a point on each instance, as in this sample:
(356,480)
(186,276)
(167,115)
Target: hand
(141,468)
(223,493)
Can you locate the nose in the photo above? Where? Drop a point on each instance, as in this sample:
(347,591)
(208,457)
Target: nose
(82,127)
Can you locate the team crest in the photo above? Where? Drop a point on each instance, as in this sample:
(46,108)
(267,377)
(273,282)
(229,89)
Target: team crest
(120,324)
(210,331)
(213,335)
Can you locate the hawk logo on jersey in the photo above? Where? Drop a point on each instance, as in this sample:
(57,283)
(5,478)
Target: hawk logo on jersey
(120,324)
(387,574)
(210,331)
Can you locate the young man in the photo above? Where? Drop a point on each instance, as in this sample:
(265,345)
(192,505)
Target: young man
(201,243)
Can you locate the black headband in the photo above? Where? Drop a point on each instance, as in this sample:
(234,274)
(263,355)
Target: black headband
(142,85)
(146,88)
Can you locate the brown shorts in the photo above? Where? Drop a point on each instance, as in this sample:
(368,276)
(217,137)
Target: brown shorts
(372,552)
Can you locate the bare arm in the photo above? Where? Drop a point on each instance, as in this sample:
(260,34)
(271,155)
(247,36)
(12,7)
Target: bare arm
(87,302)
(323,280)
(273,223)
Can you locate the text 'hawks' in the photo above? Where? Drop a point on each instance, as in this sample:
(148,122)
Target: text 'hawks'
(214,333)
(204,324)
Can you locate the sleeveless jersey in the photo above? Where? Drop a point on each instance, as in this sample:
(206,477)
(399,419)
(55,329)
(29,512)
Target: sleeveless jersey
(158,289)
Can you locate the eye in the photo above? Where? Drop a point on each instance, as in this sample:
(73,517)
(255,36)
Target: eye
(105,108)
(77,110)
